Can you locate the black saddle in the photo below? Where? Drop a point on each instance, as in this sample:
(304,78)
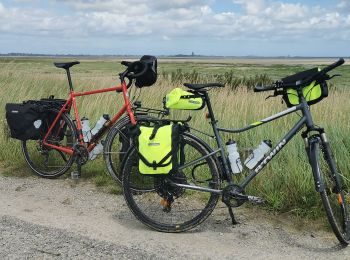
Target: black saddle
(65,65)
(201,86)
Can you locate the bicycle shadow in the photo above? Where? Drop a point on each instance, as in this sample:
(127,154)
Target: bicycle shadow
(250,229)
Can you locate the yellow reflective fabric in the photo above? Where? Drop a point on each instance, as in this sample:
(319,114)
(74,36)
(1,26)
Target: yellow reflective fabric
(310,93)
(174,100)
(155,149)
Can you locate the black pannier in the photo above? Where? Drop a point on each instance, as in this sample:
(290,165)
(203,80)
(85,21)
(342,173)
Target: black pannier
(59,130)
(24,121)
(32,119)
(150,76)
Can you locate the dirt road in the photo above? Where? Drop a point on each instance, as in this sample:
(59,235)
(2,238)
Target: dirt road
(56,219)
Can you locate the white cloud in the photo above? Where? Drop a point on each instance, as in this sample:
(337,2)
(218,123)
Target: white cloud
(270,20)
(252,6)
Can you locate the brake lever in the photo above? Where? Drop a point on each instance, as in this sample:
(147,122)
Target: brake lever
(276,93)
(333,76)
(270,96)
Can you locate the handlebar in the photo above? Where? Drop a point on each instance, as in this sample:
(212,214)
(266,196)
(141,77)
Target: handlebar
(318,75)
(137,66)
(135,69)
(264,88)
(338,63)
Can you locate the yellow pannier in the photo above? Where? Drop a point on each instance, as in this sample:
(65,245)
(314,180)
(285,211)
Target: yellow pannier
(158,148)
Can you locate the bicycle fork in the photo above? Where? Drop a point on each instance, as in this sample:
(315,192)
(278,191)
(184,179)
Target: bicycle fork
(311,150)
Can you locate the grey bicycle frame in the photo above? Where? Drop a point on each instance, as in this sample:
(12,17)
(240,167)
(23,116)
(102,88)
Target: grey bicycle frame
(306,120)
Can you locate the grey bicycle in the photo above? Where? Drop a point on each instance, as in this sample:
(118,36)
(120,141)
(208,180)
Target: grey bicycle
(184,198)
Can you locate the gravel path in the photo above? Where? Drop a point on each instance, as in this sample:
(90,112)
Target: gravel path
(56,219)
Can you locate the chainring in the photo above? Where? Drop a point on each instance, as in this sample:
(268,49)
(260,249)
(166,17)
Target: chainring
(82,154)
(229,196)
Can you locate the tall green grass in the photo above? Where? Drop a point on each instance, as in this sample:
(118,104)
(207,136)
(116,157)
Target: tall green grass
(229,78)
(286,182)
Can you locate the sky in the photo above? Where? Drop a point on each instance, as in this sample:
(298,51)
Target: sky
(169,27)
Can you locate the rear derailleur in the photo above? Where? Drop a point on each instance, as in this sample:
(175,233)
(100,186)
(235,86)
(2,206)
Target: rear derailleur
(169,192)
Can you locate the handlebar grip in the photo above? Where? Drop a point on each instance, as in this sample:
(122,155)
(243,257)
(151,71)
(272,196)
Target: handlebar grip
(126,63)
(264,88)
(334,65)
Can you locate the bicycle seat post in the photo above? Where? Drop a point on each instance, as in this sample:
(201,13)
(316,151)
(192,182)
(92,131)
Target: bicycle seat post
(69,79)
(66,66)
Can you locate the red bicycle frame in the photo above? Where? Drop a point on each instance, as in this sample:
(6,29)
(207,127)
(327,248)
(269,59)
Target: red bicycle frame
(127,108)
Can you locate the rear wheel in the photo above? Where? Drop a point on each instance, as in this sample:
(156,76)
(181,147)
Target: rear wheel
(161,205)
(48,162)
(333,196)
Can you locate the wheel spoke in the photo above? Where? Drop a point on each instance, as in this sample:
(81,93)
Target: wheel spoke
(49,162)
(333,198)
(166,207)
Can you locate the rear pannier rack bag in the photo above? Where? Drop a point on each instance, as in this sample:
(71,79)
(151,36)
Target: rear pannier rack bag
(30,119)
(313,93)
(150,76)
(158,149)
(181,99)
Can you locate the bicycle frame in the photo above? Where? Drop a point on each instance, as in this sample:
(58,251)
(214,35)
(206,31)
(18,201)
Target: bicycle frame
(71,102)
(306,120)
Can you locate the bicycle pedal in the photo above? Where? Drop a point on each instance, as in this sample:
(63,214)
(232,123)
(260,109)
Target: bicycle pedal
(75,175)
(256,200)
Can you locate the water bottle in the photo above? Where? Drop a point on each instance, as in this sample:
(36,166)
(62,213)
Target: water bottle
(233,157)
(99,124)
(85,127)
(96,151)
(258,153)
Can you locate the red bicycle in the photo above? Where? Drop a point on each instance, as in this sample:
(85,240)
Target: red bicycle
(62,141)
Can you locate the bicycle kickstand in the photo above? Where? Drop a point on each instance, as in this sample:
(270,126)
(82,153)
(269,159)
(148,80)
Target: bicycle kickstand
(226,200)
(75,175)
(230,211)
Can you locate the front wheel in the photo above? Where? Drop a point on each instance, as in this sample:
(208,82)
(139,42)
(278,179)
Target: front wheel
(160,205)
(118,142)
(332,190)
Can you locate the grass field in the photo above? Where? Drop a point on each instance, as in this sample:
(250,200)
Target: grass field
(286,183)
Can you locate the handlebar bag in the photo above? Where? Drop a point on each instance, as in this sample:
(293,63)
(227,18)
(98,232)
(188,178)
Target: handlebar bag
(181,99)
(158,148)
(313,94)
(150,76)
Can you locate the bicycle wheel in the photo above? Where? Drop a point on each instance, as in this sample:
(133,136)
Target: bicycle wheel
(333,196)
(165,207)
(117,144)
(47,162)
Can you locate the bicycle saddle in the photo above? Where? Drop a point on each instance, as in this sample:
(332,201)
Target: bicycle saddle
(201,86)
(65,65)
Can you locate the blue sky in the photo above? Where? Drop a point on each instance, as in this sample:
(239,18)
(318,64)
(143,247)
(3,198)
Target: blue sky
(159,27)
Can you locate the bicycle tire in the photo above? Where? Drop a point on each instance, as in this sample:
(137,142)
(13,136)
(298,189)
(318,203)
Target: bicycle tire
(34,152)
(151,212)
(333,195)
(113,159)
